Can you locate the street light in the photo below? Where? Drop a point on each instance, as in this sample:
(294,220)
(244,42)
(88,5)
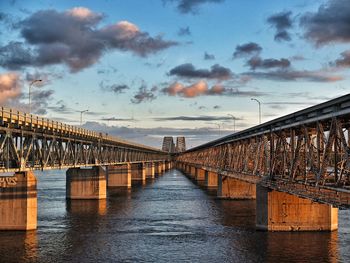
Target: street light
(218,124)
(234,122)
(259,108)
(81,116)
(29,92)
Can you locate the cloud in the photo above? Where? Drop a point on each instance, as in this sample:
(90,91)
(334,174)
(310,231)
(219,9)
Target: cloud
(191,6)
(208,56)
(117,119)
(344,61)
(330,24)
(10,86)
(144,94)
(116,88)
(184,31)
(281,21)
(248,49)
(189,71)
(216,107)
(61,107)
(295,75)
(73,38)
(201,88)
(257,62)
(194,118)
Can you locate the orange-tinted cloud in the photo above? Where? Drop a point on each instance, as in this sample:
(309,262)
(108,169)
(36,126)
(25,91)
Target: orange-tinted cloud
(10,86)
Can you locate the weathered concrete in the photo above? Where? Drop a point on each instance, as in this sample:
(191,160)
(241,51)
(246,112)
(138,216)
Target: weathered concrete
(18,202)
(211,179)
(193,172)
(200,175)
(119,175)
(157,169)
(149,170)
(277,211)
(138,172)
(82,183)
(235,189)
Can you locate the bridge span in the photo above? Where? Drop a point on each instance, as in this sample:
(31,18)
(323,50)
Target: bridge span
(94,161)
(297,167)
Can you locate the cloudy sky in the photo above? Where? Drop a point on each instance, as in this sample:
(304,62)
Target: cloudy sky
(145,69)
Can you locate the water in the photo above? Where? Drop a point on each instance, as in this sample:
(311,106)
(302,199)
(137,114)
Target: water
(169,219)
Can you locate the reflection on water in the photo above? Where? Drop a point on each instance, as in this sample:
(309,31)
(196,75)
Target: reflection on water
(168,219)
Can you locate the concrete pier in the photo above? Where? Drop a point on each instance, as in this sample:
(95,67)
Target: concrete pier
(211,179)
(84,183)
(277,211)
(149,170)
(235,189)
(18,201)
(199,175)
(119,175)
(157,169)
(138,172)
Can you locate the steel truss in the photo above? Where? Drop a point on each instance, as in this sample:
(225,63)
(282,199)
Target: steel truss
(309,158)
(31,147)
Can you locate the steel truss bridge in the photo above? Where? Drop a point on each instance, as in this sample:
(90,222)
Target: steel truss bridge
(28,142)
(305,153)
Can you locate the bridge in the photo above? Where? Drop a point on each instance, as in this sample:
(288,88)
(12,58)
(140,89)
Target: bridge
(296,167)
(94,161)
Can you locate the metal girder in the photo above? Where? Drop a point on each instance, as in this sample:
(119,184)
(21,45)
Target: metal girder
(44,144)
(310,153)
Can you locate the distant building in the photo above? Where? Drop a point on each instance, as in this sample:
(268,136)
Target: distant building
(168,144)
(180,144)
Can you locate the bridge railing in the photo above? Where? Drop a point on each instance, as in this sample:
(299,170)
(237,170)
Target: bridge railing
(310,147)
(30,142)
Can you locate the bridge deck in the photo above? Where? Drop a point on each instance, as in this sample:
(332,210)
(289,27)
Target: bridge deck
(304,153)
(29,142)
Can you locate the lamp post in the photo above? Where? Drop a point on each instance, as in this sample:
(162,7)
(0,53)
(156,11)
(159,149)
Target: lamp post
(218,124)
(81,116)
(234,122)
(259,108)
(29,92)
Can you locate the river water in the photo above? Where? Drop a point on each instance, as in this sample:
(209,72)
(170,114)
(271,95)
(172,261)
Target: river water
(169,219)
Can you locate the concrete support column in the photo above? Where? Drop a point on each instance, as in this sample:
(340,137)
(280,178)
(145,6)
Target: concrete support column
(18,201)
(86,183)
(119,175)
(168,165)
(211,179)
(193,172)
(149,170)
(200,175)
(277,211)
(235,189)
(157,169)
(138,172)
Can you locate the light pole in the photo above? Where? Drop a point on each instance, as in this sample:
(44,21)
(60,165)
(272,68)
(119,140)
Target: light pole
(234,122)
(29,92)
(259,108)
(81,116)
(218,124)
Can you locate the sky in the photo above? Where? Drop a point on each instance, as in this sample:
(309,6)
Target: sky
(148,69)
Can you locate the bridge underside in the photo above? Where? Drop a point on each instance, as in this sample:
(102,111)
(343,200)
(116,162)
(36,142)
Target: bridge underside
(18,193)
(277,208)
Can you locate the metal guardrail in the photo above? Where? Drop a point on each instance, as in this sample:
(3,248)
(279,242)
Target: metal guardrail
(29,121)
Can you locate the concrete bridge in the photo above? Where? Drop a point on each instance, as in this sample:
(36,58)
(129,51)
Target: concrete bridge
(296,167)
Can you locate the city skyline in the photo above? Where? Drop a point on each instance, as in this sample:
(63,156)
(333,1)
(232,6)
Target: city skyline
(168,68)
